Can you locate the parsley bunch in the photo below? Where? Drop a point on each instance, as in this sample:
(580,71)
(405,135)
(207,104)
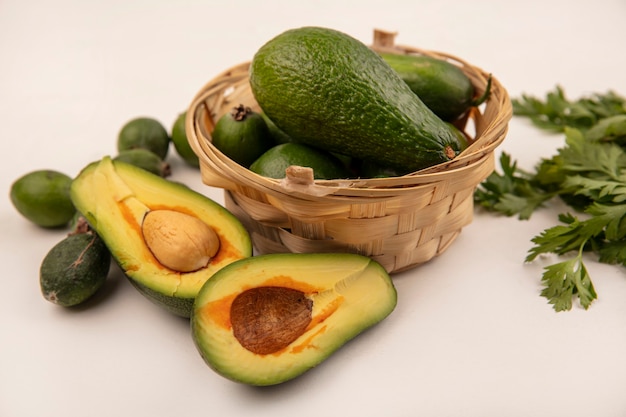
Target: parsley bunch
(588,173)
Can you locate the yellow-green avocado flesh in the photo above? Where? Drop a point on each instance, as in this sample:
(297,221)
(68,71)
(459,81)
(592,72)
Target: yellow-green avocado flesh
(114,197)
(347,294)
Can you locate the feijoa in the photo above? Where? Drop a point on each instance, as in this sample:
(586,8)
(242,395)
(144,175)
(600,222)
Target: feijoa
(242,135)
(74,269)
(181,144)
(145,133)
(145,159)
(43,197)
(276,160)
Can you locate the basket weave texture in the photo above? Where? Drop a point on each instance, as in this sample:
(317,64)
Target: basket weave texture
(401,222)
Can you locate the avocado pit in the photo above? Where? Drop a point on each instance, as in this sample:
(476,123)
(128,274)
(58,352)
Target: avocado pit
(267,319)
(179,241)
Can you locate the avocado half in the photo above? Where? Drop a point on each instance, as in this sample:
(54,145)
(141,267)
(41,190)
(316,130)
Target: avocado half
(115,198)
(269,318)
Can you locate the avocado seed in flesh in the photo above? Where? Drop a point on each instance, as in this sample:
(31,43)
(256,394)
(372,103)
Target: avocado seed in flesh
(179,241)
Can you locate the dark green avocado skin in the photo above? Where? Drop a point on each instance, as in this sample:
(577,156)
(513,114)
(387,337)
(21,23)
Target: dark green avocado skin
(329,90)
(441,85)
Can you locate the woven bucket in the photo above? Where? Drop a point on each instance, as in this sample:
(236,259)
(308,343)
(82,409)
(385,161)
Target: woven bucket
(400,222)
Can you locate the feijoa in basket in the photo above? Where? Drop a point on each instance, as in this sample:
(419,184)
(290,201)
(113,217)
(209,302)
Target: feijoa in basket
(400,221)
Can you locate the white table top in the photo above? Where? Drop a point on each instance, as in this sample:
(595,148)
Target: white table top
(470,335)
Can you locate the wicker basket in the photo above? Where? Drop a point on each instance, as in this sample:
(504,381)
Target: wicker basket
(401,222)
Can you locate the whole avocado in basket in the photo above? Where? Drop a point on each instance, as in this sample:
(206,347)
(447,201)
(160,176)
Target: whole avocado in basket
(441,85)
(328,90)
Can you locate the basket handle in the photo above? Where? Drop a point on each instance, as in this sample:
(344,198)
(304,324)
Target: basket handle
(384,38)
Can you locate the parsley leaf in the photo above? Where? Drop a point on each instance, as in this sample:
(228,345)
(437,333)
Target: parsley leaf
(567,279)
(556,111)
(604,232)
(588,173)
(611,219)
(612,128)
(512,192)
(610,191)
(562,239)
(611,252)
(590,157)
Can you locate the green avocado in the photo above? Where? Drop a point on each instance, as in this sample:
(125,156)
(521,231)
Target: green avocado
(441,85)
(329,90)
(277,135)
(369,169)
(267,319)
(168,239)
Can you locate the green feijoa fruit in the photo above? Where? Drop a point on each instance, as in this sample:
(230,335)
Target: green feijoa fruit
(181,144)
(43,197)
(145,133)
(74,269)
(276,160)
(242,135)
(145,159)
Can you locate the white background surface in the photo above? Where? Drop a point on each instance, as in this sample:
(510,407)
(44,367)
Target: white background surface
(470,336)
